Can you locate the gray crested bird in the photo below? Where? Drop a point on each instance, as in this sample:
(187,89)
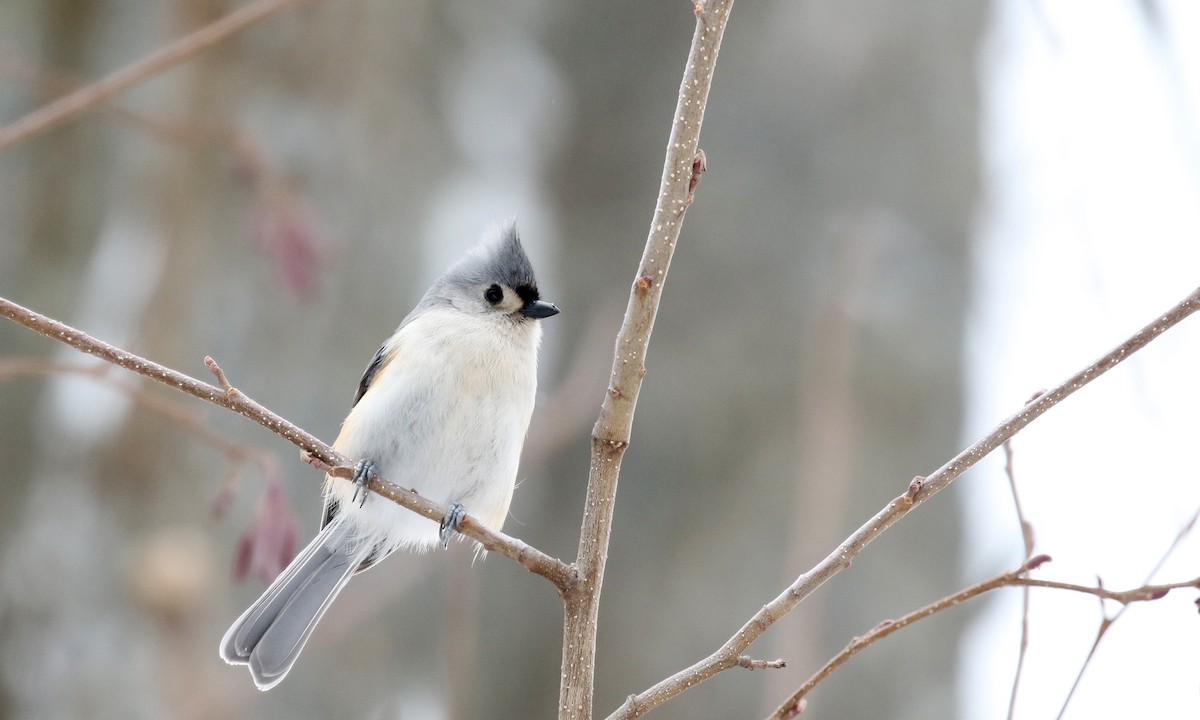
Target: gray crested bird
(443,409)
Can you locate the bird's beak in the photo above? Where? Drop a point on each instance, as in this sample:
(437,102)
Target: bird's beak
(539,309)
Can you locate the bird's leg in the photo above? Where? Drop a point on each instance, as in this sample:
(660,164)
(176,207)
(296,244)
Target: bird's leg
(364,472)
(451,522)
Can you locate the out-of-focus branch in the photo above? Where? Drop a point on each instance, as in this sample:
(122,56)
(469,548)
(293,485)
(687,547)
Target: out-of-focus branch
(238,454)
(91,96)
(317,452)
(829,423)
(1125,599)
(919,490)
(682,169)
(1027,538)
(189,132)
(235,452)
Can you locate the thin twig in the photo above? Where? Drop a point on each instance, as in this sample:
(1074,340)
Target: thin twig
(749,663)
(682,168)
(1027,538)
(1184,531)
(1106,622)
(320,454)
(794,704)
(919,490)
(190,421)
(91,96)
(190,132)
(219,374)
(1141,593)
(829,427)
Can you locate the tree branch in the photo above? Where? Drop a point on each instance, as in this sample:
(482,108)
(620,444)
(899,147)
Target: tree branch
(682,169)
(238,454)
(227,396)
(1125,597)
(794,705)
(920,490)
(1027,538)
(91,96)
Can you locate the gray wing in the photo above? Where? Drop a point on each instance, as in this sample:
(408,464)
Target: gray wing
(369,374)
(330,507)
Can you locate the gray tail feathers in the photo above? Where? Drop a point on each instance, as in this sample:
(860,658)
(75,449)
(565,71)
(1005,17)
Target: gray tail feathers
(271,633)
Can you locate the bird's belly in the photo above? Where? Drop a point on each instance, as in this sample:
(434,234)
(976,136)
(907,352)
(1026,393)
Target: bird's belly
(449,441)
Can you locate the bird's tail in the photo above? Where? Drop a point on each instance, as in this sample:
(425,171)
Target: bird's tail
(271,633)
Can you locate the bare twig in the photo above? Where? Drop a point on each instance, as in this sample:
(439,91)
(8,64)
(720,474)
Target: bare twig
(188,132)
(919,490)
(791,707)
(190,421)
(745,661)
(1105,623)
(829,428)
(1125,598)
(611,434)
(1027,538)
(699,167)
(219,374)
(1184,531)
(91,96)
(1141,593)
(320,454)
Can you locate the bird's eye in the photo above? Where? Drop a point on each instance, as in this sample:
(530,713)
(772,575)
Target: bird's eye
(493,294)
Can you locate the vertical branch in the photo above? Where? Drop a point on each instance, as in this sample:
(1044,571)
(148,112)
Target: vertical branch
(611,434)
(919,491)
(1027,536)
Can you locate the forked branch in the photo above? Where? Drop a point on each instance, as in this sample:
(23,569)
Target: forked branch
(682,170)
(919,490)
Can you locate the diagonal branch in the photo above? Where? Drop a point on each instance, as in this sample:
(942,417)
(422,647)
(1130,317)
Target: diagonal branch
(320,454)
(919,490)
(682,169)
(91,96)
(794,705)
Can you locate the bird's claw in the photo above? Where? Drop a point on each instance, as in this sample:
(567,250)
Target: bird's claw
(364,472)
(451,523)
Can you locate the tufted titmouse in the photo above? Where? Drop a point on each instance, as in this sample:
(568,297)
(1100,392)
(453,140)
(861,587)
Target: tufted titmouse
(442,409)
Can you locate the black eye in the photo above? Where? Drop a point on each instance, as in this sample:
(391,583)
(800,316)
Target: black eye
(493,294)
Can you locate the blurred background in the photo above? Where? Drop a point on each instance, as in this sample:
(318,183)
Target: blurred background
(916,214)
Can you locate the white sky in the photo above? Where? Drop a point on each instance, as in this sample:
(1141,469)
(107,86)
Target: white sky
(1090,226)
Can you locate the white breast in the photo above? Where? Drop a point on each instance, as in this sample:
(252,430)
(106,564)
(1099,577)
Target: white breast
(445,416)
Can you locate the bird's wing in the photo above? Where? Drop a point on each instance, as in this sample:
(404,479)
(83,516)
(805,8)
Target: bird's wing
(382,356)
(329,510)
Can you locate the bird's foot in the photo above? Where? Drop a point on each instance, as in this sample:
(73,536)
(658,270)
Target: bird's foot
(364,473)
(451,523)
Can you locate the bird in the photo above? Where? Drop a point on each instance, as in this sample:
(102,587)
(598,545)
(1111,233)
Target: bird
(443,408)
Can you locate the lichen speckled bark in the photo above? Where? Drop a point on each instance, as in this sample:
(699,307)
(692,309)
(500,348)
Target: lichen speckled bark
(610,437)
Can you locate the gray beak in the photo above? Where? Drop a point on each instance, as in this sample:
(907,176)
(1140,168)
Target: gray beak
(539,309)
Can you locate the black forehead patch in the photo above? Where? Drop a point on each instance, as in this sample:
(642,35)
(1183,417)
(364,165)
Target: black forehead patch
(527,293)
